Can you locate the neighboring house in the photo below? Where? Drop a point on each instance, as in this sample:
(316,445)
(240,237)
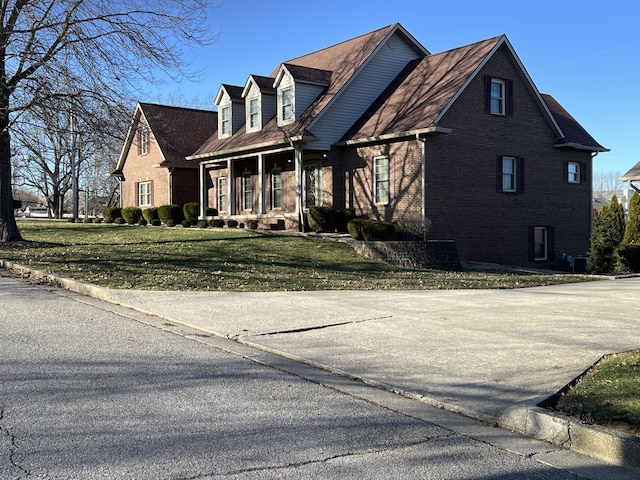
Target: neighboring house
(152,168)
(461,139)
(631,176)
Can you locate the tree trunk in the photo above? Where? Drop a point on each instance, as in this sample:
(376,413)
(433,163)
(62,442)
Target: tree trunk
(8,227)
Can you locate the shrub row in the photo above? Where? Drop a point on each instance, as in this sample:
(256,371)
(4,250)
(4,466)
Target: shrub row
(327,219)
(379,231)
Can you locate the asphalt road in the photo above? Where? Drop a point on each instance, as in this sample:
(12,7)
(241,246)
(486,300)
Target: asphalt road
(93,391)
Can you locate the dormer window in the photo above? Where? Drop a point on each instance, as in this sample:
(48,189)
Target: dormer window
(287,105)
(225,121)
(254,113)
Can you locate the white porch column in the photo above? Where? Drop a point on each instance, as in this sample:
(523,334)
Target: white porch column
(231,189)
(261,199)
(204,194)
(299,170)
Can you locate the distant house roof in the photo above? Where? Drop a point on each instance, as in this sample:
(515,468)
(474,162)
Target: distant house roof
(178,131)
(632,175)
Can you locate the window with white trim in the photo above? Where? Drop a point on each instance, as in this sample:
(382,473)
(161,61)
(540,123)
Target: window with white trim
(287,104)
(381,179)
(247,192)
(276,188)
(254,113)
(222,194)
(143,141)
(573,172)
(497,96)
(225,121)
(509,174)
(144,194)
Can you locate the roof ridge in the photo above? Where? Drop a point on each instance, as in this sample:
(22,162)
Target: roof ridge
(177,107)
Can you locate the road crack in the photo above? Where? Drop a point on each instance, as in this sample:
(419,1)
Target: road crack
(12,445)
(319,327)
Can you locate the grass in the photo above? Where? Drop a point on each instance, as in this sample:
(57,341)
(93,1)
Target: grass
(609,394)
(152,258)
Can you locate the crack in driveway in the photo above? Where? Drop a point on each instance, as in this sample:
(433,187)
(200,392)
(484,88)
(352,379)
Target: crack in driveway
(314,327)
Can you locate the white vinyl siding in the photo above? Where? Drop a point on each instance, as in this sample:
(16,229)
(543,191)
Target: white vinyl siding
(366,86)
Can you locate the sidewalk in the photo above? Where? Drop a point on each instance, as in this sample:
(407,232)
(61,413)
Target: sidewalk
(488,354)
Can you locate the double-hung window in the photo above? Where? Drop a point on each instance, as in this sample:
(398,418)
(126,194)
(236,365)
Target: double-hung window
(222,194)
(144,194)
(510,174)
(225,122)
(143,141)
(247,192)
(573,172)
(287,105)
(497,96)
(276,188)
(541,243)
(381,179)
(254,113)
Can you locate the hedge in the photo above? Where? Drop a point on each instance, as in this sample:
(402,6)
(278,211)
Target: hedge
(172,212)
(191,212)
(321,219)
(111,213)
(371,230)
(150,214)
(131,214)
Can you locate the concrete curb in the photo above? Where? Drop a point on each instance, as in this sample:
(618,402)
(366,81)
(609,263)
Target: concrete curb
(534,422)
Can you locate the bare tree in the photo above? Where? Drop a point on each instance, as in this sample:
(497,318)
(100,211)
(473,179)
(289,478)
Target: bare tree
(86,50)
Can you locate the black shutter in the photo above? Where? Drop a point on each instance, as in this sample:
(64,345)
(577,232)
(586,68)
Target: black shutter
(499,174)
(583,172)
(532,243)
(487,94)
(509,98)
(565,172)
(520,175)
(551,243)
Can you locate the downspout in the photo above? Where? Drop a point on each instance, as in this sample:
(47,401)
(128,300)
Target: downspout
(423,146)
(170,196)
(204,197)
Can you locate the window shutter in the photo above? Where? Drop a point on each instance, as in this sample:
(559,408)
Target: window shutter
(583,172)
(532,243)
(137,194)
(509,98)
(487,94)
(151,189)
(368,180)
(565,171)
(520,173)
(551,243)
(392,177)
(499,174)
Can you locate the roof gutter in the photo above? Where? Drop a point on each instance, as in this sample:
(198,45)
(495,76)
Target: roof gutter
(579,146)
(394,136)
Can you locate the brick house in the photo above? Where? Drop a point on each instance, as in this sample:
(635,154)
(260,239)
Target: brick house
(462,140)
(152,168)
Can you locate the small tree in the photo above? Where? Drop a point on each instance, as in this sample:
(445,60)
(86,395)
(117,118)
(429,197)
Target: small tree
(603,246)
(616,221)
(632,230)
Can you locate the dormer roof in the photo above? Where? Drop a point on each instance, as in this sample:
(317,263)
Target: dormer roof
(264,84)
(234,92)
(314,76)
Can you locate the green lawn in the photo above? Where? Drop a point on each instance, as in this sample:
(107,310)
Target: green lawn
(609,394)
(159,258)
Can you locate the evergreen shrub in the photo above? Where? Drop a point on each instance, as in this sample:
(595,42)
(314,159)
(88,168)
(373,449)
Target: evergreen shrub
(202,224)
(170,222)
(156,222)
(321,219)
(354,227)
(150,214)
(191,212)
(377,231)
(170,212)
(252,224)
(212,212)
(217,223)
(185,223)
(131,214)
(342,218)
(629,255)
(231,223)
(98,220)
(111,213)
(87,220)
(119,221)
(142,222)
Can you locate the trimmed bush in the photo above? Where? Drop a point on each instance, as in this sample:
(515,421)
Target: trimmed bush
(142,222)
(170,212)
(217,223)
(411,230)
(185,224)
(232,223)
(202,224)
(119,221)
(131,214)
(191,212)
(98,220)
(252,224)
(212,212)
(354,227)
(156,222)
(629,256)
(150,214)
(111,213)
(321,219)
(342,218)
(71,220)
(375,231)
(170,222)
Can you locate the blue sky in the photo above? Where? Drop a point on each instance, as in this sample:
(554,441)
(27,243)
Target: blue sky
(586,53)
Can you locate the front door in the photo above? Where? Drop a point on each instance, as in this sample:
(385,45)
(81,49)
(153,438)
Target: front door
(312,186)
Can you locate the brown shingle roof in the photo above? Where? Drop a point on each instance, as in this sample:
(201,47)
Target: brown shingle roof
(421,92)
(574,134)
(179,131)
